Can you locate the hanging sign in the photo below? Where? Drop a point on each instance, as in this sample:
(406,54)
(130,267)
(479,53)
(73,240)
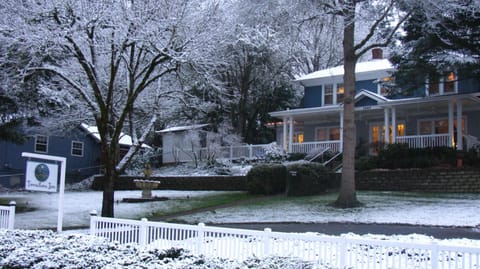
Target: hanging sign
(41,176)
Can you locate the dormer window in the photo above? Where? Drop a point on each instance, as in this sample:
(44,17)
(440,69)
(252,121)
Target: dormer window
(437,84)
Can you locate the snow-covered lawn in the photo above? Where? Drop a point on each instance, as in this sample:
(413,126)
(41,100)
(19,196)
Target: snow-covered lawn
(459,210)
(79,204)
(380,207)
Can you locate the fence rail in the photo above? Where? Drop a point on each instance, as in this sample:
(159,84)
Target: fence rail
(307,147)
(7,216)
(230,152)
(330,251)
(425,141)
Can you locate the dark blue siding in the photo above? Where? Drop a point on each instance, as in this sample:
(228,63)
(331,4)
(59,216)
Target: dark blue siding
(312,97)
(366,102)
(11,161)
(468,85)
(368,85)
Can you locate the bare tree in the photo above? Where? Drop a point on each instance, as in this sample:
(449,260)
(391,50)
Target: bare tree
(384,21)
(112,56)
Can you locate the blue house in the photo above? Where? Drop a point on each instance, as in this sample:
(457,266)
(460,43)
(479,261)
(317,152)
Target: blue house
(80,146)
(444,109)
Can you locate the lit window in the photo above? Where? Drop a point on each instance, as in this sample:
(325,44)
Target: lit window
(449,83)
(298,137)
(77,148)
(328,95)
(437,84)
(382,86)
(41,143)
(340,93)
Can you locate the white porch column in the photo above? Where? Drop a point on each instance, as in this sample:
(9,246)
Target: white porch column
(450,122)
(387,126)
(290,134)
(284,137)
(340,148)
(394,125)
(459,126)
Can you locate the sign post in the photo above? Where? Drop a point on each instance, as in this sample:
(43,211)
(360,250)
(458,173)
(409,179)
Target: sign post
(43,177)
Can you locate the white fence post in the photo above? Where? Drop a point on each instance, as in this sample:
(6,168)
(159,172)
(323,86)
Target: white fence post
(250,151)
(93,222)
(343,252)
(267,241)
(11,215)
(143,230)
(435,255)
(200,237)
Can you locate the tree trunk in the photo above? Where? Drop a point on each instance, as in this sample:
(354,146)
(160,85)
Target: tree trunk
(108,184)
(347,196)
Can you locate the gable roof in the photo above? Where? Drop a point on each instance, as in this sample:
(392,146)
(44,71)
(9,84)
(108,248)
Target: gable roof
(125,140)
(181,128)
(371,95)
(363,70)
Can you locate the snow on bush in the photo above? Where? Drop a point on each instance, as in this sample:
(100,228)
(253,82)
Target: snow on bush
(46,249)
(274,152)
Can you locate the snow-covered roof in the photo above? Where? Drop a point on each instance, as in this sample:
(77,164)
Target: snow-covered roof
(125,139)
(368,94)
(362,68)
(182,128)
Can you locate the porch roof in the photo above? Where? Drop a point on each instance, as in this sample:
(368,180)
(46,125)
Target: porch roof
(436,103)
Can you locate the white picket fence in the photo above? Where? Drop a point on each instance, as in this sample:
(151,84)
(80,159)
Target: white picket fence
(330,251)
(7,216)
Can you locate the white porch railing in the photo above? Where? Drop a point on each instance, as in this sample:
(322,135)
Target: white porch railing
(7,216)
(331,251)
(306,147)
(426,141)
(231,152)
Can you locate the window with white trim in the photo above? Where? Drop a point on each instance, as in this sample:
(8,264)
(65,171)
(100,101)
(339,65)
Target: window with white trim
(383,85)
(437,126)
(41,143)
(327,133)
(77,148)
(333,94)
(441,84)
(328,94)
(340,93)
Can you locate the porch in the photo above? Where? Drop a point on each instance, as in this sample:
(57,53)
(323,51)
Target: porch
(413,141)
(435,121)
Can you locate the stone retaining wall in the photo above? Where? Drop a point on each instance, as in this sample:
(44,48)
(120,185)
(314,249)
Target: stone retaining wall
(421,180)
(214,183)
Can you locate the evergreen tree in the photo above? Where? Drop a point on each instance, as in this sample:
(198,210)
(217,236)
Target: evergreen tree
(438,39)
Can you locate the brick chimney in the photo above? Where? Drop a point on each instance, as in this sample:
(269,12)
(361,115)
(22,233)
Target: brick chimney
(377,54)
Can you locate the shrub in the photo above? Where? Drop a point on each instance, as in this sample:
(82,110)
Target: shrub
(308,179)
(366,163)
(396,156)
(267,179)
(296,156)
